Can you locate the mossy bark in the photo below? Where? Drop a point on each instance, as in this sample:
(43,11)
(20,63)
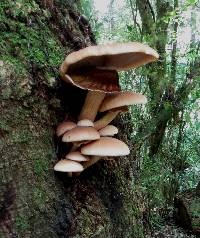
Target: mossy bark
(34,201)
(187,210)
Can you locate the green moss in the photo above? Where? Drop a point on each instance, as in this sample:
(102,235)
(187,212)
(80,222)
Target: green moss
(14,79)
(135,212)
(17,65)
(21,223)
(138,231)
(41,167)
(195,207)
(39,197)
(21,136)
(29,41)
(4,125)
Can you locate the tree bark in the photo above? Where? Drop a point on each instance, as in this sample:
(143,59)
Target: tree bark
(35,201)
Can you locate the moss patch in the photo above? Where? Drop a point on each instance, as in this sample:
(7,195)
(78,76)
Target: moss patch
(27,41)
(21,223)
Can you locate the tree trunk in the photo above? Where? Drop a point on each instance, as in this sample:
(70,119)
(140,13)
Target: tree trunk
(35,201)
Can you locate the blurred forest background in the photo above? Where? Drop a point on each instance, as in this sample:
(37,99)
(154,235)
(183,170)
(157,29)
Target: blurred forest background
(165,133)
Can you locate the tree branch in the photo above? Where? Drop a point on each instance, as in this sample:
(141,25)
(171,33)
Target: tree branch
(152,11)
(174,48)
(135,16)
(146,17)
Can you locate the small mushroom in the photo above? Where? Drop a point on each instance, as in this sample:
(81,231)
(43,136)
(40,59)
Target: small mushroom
(68,166)
(81,133)
(109,130)
(76,156)
(105,146)
(64,127)
(85,122)
(116,100)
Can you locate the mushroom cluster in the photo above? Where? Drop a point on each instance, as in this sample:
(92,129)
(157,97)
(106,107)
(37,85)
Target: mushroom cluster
(95,68)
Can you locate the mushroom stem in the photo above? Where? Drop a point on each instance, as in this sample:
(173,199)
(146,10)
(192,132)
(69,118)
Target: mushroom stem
(105,120)
(88,163)
(74,147)
(77,144)
(91,105)
(91,161)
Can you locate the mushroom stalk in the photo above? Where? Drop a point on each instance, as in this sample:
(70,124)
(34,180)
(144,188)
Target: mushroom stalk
(88,163)
(91,161)
(91,105)
(105,120)
(77,144)
(74,147)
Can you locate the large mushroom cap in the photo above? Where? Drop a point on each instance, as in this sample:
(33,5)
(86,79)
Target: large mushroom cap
(95,67)
(106,146)
(81,133)
(64,126)
(114,56)
(116,100)
(68,166)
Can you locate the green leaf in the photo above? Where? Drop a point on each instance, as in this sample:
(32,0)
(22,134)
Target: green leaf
(129,28)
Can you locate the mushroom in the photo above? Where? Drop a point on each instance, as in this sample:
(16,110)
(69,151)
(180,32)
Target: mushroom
(95,68)
(109,130)
(108,117)
(117,102)
(98,82)
(68,166)
(85,122)
(76,156)
(81,133)
(105,146)
(64,127)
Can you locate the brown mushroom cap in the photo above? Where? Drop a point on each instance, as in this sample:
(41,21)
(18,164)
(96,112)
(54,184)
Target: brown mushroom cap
(109,130)
(81,133)
(68,166)
(121,99)
(95,67)
(115,56)
(85,122)
(106,146)
(64,126)
(76,156)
